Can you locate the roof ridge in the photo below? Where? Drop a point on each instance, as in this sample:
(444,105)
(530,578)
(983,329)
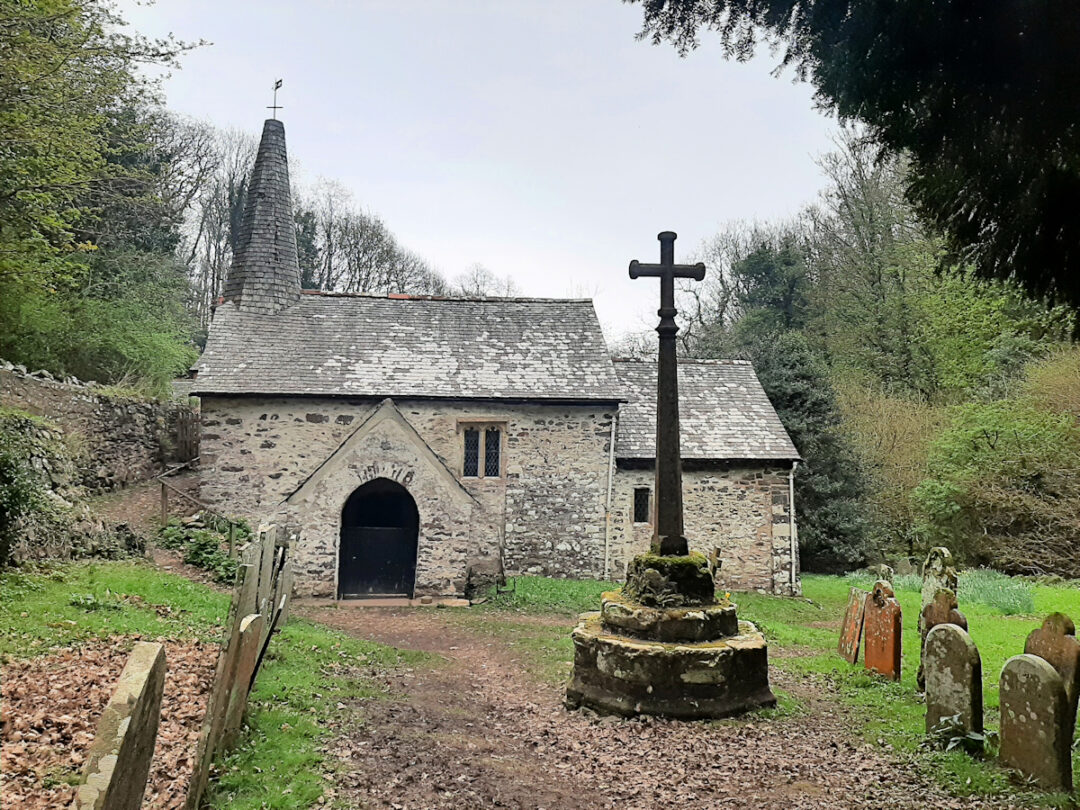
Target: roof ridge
(686,361)
(448,298)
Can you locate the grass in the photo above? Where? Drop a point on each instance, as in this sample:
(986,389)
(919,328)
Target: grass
(309,670)
(1001,611)
(564,597)
(46,607)
(1010,596)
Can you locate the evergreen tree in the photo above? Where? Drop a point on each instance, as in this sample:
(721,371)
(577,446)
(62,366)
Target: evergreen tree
(830,488)
(830,507)
(981,96)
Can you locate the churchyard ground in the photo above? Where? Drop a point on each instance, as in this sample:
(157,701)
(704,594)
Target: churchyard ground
(454,707)
(486,725)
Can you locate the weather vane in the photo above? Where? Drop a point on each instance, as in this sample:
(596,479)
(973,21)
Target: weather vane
(274,107)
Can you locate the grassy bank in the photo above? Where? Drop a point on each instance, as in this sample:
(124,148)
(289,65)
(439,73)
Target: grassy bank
(309,670)
(1001,611)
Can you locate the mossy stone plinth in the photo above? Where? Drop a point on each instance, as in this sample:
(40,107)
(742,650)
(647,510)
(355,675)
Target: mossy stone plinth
(615,674)
(656,580)
(619,614)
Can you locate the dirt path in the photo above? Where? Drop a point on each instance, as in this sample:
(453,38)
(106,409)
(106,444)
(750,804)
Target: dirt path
(477,733)
(140,505)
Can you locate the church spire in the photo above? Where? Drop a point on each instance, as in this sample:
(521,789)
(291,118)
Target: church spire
(265,275)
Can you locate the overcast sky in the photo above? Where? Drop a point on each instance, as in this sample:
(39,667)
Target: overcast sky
(535,137)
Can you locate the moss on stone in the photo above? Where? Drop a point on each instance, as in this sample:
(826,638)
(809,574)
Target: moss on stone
(656,580)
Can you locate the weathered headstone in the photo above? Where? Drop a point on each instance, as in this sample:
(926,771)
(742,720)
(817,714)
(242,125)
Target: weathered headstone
(884,572)
(251,633)
(119,759)
(938,574)
(851,631)
(1036,734)
(953,672)
(882,625)
(1055,642)
(942,610)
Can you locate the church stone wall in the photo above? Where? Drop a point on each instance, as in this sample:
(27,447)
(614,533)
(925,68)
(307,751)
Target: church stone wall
(547,511)
(743,511)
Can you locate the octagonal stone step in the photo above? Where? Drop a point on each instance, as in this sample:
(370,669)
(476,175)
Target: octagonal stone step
(620,614)
(617,674)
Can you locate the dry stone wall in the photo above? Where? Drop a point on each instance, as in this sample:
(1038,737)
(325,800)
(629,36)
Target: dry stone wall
(123,441)
(743,511)
(293,458)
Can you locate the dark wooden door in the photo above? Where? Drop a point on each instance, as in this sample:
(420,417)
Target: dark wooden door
(379,533)
(377,560)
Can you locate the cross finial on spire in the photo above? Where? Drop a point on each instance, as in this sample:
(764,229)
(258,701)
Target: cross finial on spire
(274,107)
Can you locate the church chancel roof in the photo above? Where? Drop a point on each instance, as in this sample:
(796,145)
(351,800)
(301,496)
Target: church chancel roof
(724,413)
(348,345)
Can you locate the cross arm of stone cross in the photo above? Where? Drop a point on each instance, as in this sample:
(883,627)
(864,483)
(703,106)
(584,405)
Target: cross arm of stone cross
(694,271)
(667,271)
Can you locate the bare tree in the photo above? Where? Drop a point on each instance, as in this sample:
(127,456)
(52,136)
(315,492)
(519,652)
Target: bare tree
(477,281)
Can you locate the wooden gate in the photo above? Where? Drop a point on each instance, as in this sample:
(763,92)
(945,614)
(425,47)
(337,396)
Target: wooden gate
(187,435)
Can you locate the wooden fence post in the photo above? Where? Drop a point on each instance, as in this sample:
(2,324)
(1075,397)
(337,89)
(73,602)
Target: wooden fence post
(164,503)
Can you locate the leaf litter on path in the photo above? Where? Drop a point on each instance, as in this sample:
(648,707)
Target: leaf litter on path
(51,707)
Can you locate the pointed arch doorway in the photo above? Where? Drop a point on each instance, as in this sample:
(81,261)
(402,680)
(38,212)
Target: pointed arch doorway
(380,526)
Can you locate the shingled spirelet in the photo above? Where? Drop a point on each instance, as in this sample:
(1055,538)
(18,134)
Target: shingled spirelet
(422,445)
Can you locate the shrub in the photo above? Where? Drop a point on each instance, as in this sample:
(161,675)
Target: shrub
(1003,488)
(202,542)
(20,494)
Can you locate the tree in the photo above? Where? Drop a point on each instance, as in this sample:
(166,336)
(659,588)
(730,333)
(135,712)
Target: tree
(766,308)
(980,97)
(830,490)
(479,282)
(64,67)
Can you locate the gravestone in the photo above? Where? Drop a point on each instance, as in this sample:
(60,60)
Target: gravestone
(953,672)
(118,762)
(1036,733)
(851,631)
(882,625)
(1055,642)
(942,610)
(938,574)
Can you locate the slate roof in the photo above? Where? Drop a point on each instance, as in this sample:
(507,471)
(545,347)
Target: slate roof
(723,412)
(349,345)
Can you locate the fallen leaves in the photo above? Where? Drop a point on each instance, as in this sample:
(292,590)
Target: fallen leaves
(51,707)
(479,733)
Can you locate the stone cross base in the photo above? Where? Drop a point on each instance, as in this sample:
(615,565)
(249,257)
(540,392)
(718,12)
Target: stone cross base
(664,646)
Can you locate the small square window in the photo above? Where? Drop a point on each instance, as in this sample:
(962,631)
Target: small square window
(641,505)
(492,443)
(472,453)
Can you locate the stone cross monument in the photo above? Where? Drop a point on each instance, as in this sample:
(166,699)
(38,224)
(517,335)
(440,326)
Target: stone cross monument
(664,644)
(668,527)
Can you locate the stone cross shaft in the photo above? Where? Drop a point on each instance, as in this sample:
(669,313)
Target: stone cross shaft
(668,536)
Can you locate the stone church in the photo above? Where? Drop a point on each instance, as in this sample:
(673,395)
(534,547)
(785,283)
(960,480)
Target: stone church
(421,446)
